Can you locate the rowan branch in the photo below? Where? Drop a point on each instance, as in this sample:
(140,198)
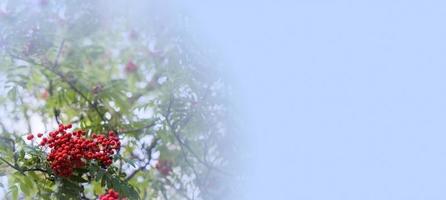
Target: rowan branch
(23,170)
(59,52)
(149,158)
(36,169)
(70,83)
(11,165)
(50,87)
(142,128)
(184,144)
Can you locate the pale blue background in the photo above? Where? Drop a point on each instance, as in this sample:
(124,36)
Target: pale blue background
(342,100)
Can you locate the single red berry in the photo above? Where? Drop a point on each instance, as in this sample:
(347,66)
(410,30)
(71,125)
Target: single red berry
(164,167)
(39,135)
(45,95)
(131,67)
(30,137)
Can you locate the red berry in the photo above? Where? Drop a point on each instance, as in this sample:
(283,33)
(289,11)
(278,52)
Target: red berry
(130,67)
(30,137)
(45,95)
(164,167)
(39,135)
(110,195)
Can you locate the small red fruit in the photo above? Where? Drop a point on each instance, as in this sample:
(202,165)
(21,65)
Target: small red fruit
(130,67)
(30,137)
(110,195)
(43,142)
(164,167)
(45,95)
(39,135)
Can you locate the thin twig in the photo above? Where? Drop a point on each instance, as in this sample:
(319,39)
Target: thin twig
(142,128)
(167,116)
(11,165)
(149,158)
(59,52)
(56,65)
(185,145)
(70,83)
(55,110)
(36,169)
(180,191)
(25,114)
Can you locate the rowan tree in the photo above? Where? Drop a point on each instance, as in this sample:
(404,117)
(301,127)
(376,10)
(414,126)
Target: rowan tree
(106,102)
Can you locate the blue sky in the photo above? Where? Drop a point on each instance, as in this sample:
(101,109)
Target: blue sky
(342,100)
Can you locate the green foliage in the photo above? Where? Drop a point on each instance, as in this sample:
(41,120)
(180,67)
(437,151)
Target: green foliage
(66,62)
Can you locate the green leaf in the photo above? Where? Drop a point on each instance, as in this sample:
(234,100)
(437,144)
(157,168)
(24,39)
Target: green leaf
(67,189)
(25,184)
(97,188)
(14,190)
(78,179)
(124,188)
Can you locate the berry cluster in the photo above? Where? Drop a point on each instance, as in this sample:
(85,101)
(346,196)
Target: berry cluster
(110,195)
(72,150)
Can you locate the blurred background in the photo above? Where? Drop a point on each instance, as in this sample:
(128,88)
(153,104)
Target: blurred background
(342,99)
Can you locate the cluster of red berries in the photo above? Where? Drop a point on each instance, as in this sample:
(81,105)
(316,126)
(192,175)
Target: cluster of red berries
(72,150)
(110,195)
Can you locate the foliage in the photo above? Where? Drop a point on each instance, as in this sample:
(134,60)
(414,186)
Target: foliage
(73,62)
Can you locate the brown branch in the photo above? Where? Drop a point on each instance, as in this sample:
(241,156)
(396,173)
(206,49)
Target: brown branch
(167,116)
(70,83)
(11,165)
(56,65)
(55,110)
(25,114)
(149,158)
(59,52)
(142,128)
(23,170)
(151,85)
(36,169)
(62,76)
(180,190)
(163,192)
